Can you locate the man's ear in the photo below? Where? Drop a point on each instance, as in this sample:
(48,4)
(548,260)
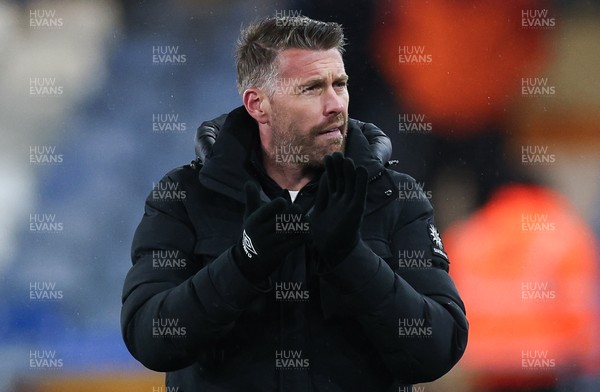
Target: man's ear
(257,104)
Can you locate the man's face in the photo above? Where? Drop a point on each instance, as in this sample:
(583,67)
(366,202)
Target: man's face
(309,108)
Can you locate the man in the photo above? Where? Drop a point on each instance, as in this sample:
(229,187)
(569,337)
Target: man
(291,260)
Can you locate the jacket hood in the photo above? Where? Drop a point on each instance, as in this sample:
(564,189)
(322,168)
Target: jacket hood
(228,167)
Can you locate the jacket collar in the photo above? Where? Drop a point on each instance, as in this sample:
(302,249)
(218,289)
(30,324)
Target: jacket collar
(229,166)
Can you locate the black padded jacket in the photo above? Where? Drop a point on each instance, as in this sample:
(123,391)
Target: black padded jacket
(387,316)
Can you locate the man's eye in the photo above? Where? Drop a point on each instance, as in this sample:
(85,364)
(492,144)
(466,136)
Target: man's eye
(341,84)
(308,89)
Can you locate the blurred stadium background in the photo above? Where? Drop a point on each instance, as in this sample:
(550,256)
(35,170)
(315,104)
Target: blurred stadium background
(100,98)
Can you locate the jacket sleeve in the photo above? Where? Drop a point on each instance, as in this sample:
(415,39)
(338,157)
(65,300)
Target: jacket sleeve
(412,313)
(174,306)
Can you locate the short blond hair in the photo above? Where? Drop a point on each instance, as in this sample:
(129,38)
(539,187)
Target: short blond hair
(261,42)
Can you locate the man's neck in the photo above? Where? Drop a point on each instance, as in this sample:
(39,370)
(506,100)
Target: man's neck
(287,176)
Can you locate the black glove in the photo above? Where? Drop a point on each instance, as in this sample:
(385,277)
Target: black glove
(262,246)
(339,207)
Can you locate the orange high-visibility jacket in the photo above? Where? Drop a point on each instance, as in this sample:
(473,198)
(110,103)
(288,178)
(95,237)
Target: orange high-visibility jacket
(526,267)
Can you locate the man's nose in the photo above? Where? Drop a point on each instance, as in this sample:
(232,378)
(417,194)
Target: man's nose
(334,101)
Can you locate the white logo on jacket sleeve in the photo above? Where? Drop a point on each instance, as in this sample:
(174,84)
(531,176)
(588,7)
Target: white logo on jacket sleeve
(248,246)
(438,247)
(435,237)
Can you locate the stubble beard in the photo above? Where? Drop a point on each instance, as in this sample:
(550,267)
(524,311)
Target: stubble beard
(292,147)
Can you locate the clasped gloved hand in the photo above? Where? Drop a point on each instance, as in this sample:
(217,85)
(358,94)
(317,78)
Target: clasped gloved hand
(339,207)
(262,247)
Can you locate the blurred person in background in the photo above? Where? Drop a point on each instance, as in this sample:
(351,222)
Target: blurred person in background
(101,58)
(528,264)
(273,265)
(531,288)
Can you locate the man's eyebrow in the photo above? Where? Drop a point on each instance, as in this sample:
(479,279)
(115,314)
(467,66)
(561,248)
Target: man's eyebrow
(313,81)
(319,80)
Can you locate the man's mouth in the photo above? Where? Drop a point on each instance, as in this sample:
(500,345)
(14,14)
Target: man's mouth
(331,132)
